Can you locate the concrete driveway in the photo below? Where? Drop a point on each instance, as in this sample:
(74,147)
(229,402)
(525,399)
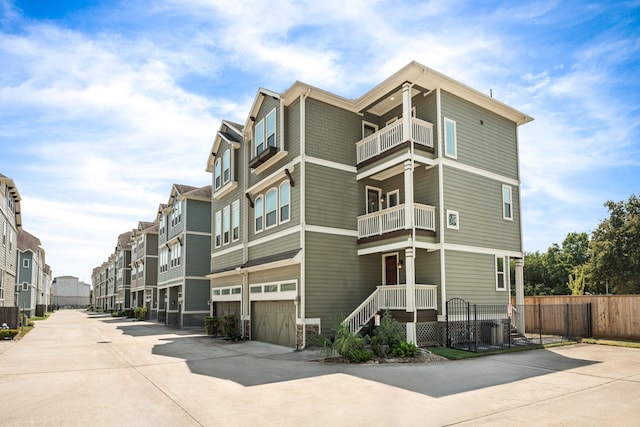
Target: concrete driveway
(78,368)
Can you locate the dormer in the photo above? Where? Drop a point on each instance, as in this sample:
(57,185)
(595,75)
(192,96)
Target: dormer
(222,161)
(265,131)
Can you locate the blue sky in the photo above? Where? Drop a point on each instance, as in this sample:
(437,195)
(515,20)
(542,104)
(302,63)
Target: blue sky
(105,104)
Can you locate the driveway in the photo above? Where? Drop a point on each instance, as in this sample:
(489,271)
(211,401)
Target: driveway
(79,368)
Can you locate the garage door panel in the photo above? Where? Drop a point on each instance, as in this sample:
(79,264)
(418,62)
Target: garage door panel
(274,322)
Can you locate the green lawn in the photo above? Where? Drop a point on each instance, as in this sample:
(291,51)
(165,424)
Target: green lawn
(617,343)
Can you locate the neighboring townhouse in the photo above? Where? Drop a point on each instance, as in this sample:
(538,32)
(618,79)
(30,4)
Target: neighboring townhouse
(69,291)
(122,257)
(10,224)
(47,278)
(32,286)
(184,250)
(110,283)
(403,198)
(144,268)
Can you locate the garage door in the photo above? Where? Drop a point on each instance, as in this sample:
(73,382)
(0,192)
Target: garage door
(227,307)
(274,322)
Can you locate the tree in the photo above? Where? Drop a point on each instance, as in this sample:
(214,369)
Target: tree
(577,280)
(615,248)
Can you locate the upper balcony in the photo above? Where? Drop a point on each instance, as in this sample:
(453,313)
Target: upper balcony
(393,219)
(391,136)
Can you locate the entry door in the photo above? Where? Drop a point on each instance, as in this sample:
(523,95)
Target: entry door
(391,270)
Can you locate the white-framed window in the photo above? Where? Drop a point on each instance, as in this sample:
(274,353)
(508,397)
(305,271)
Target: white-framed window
(25,286)
(259,213)
(25,263)
(226,225)
(285,202)
(226,167)
(453,219)
(4,234)
(393,198)
(10,239)
(265,133)
(450,138)
(161,226)
(235,220)
(176,255)
(507,202)
(217,174)
(368,129)
(271,208)
(374,196)
(218,229)
(502,273)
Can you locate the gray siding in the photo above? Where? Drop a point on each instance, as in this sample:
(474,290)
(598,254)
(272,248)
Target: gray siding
(294,209)
(472,277)
(292,129)
(428,270)
(231,259)
(198,216)
(275,274)
(196,255)
(337,280)
(282,244)
(196,295)
(331,197)
(479,203)
(491,145)
(331,133)
(221,282)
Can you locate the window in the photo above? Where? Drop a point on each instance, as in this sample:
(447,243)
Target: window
(507,205)
(218,229)
(259,213)
(393,198)
(161,227)
(271,208)
(217,173)
(368,129)
(501,273)
(271,129)
(25,286)
(176,254)
(453,220)
(25,263)
(235,220)
(450,143)
(226,167)
(259,137)
(4,234)
(284,201)
(265,133)
(373,199)
(226,225)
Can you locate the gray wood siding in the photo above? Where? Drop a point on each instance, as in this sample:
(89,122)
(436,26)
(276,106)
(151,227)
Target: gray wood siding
(196,295)
(275,275)
(151,271)
(331,197)
(221,282)
(282,244)
(292,129)
(337,280)
(472,277)
(491,146)
(196,255)
(331,132)
(231,259)
(151,244)
(198,216)
(479,203)
(428,270)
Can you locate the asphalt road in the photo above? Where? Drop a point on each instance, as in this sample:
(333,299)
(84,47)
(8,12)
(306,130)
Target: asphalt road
(78,369)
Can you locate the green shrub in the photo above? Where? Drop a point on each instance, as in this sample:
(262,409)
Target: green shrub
(347,344)
(386,336)
(141,313)
(115,314)
(404,349)
(230,326)
(8,334)
(211,324)
(30,323)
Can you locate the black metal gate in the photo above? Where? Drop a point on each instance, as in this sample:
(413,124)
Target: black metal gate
(475,327)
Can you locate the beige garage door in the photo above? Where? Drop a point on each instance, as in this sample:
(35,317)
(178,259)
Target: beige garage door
(228,307)
(274,322)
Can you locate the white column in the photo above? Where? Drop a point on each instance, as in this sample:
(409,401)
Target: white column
(520,295)
(406,112)
(408,194)
(410,274)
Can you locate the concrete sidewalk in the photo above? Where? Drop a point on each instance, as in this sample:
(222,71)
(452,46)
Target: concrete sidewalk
(77,368)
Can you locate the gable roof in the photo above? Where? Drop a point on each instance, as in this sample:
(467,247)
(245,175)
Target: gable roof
(27,241)
(228,131)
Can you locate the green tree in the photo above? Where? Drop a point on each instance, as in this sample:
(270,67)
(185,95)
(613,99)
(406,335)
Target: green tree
(577,280)
(615,248)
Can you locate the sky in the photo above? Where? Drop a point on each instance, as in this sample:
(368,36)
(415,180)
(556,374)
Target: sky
(105,104)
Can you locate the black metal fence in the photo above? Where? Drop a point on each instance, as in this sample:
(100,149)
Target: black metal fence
(482,327)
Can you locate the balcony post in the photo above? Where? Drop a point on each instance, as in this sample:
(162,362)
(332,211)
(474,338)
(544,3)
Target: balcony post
(410,273)
(408,194)
(406,112)
(520,295)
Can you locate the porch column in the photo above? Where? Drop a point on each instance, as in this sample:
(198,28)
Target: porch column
(408,194)
(520,295)
(410,273)
(406,112)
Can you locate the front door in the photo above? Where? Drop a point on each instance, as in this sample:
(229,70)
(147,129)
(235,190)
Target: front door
(391,270)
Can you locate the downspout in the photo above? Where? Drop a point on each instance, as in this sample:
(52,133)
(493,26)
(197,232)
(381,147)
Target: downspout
(245,303)
(303,218)
(443,281)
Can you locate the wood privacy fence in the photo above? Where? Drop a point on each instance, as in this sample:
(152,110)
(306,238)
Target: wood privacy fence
(613,316)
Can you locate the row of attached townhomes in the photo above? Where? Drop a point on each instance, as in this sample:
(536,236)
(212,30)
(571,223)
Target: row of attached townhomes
(25,278)
(323,208)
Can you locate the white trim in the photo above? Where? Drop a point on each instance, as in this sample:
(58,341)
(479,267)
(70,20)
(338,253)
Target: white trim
(446,120)
(275,210)
(255,214)
(225,189)
(366,198)
(330,164)
(266,165)
(278,295)
(391,121)
(480,250)
(389,193)
(331,230)
(384,267)
(455,226)
(273,178)
(383,166)
(508,218)
(372,125)
(226,251)
(505,272)
(274,236)
(280,220)
(481,172)
(385,248)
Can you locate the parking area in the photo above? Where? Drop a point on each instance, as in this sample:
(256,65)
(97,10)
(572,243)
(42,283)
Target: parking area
(78,368)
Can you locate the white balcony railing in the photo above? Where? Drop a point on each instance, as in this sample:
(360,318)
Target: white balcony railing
(391,136)
(392,219)
(392,297)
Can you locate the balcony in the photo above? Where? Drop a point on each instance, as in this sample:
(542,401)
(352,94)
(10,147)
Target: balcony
(392,136)
(393,219)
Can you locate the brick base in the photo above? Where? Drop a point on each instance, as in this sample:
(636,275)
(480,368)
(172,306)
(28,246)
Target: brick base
(310,329)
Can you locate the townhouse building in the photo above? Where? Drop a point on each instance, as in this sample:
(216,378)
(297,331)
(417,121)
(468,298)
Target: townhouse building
(122,259)
(401,199)
(144,267)
(10,224)
(184,251)
(32,289)
(69,291)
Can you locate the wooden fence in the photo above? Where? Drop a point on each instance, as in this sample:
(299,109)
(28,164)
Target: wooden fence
(613,316)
